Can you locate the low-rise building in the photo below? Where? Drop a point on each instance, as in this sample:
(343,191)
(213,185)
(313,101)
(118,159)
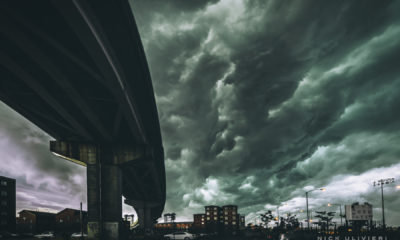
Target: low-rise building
(69,220)
(35,221)
(182,226)
(359,212)
(7,204)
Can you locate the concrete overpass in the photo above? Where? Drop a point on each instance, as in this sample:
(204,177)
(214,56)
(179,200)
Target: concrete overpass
(77,69)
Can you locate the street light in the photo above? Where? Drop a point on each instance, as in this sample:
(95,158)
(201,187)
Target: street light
(308,215)
(340,205)
(380,183)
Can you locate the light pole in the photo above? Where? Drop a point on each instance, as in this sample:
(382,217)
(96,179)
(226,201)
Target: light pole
(380,183)
(308,214)
(340,205)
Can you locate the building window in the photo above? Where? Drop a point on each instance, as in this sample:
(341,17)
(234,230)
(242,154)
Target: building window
(202,223)
(61,220)
(3,183)
(233,223)
(208,213)
(226,223)
(3,213)
(3,193)
(3,203)
(215,218)
(208,218)
(215,208)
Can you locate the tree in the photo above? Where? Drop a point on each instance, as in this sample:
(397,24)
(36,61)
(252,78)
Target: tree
(290,222)
(325,219)
(266,218)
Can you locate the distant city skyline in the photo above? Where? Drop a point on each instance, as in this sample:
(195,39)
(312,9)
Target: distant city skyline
(259,102)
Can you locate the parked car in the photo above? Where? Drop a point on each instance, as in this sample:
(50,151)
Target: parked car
(8,235)
(202,236)
(78,235)
(179,236)
(45,235)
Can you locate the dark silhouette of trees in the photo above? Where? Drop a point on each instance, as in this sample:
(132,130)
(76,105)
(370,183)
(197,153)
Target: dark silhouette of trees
(266,218)
(325,219)
(290,222)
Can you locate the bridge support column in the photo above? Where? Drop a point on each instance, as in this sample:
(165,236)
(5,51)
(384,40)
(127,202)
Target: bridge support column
(93,201)
(144,216)
(111,201)
(104,184)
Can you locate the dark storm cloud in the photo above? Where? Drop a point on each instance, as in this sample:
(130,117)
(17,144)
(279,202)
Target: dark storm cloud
(250,92)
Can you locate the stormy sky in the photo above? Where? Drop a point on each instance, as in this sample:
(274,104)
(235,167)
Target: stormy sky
(259,101)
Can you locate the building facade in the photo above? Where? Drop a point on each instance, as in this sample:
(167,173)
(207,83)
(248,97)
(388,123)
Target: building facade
(219,219)
(230,216)
(35,221)
(7,204)
(181,226)
(213,218)
(359,212)
(69,220)
(199,220)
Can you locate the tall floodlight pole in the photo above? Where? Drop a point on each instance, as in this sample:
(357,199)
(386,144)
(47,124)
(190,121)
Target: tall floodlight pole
(308,214)
(380,183)
(340,205)
(81,220)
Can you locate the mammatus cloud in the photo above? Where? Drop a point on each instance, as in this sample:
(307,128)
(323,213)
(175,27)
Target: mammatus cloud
(258,102)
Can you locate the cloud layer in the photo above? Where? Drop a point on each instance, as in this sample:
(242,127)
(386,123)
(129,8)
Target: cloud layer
(260,99)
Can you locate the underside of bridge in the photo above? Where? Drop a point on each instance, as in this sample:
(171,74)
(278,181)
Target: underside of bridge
(78,71)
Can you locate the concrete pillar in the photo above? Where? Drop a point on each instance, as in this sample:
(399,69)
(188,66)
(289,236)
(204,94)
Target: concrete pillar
(144,217)
(104,190)
(148,222)
(104,184)
(93,201)
(111,197)
(140,215)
